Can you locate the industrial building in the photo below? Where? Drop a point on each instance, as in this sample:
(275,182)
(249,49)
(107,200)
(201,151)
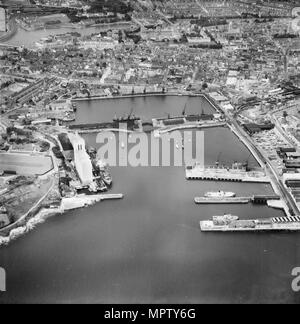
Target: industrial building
(82,161)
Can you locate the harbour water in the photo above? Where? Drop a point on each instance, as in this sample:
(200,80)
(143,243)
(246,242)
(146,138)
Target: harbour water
(143,107)
(148,248)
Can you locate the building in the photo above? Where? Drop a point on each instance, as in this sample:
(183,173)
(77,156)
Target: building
(61,106)
(82,161)
(4,221)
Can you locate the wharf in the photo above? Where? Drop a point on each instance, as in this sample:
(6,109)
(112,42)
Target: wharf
(111,196)
(233,200)
(252,226)
(211,174)
(257,199)
(81,201)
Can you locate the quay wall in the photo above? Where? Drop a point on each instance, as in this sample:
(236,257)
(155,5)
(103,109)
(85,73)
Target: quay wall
(153,94)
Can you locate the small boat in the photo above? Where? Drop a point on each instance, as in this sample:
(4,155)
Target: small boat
(68,119)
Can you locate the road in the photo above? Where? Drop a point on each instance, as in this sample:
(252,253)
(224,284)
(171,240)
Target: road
(269,168)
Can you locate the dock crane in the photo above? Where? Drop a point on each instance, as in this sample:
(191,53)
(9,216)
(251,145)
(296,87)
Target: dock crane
(131,112)
(168,114)
(184,109)
(246,165)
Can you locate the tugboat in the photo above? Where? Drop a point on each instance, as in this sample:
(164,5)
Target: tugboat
(220,194)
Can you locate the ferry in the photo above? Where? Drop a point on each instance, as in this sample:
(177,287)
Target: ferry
(220,194)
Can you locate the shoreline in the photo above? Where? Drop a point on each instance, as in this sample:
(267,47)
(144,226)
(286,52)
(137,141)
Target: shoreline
(67,204)
(31,224)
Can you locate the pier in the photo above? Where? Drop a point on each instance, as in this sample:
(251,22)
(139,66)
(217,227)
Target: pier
(223,174)
(261,199)
(233,200)
(81,201)
(111,196)
(264,225)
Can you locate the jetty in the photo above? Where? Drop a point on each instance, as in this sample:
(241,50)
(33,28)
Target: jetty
(256,225)
(232,200)
(81,201)
(256,199)
(111,196)
(225,174)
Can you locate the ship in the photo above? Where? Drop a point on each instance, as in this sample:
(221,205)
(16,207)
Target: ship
(106,177)
(104,173)
(224,220)
(220,194)
(129,120)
